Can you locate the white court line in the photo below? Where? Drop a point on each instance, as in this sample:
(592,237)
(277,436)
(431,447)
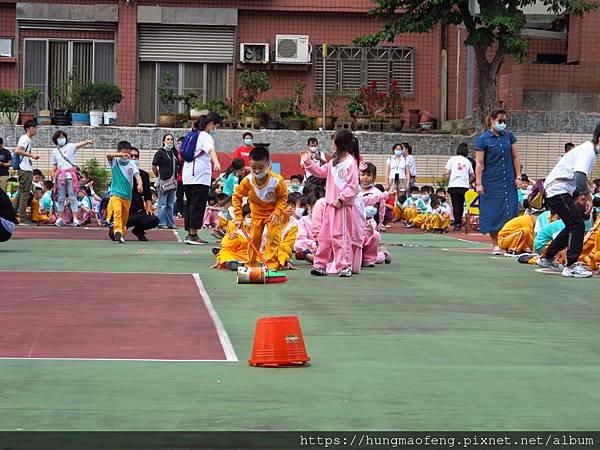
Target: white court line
(223,336)
(94,271)
(221,331)
(177,236)
(470,242)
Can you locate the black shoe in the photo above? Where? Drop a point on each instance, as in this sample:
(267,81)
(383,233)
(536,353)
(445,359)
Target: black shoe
(140,235)
(118,237)
(111,233)
(215,251)
(456,228)
(318,272)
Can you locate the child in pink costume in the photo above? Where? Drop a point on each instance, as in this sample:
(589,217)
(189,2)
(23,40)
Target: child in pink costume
(340,236)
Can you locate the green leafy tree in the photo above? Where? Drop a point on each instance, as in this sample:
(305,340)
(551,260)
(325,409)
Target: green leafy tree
(494,32)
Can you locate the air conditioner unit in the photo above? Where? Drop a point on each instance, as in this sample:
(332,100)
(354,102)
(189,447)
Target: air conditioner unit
(254,53)
(292,49)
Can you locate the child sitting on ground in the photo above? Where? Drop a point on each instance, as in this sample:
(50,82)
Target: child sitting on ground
(296,184)
(306,244)
(232,176)
(423,207)
(46,203)
(407,210)
(367,188)
(234,245)
(86,211)
(37,215)
(214,206)
(267,194)
(289,233)
(372,253)
(438,220)
(516,236)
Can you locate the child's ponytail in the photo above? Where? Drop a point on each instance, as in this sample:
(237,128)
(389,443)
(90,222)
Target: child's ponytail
(345,142)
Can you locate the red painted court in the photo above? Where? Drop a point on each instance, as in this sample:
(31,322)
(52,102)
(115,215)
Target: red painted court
(86,233)
(47,315)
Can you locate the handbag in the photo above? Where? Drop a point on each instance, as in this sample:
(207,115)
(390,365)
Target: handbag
(170,185)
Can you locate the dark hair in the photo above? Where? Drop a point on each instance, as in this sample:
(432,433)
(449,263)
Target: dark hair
(165,137)
(1,141)
(345,142)
(495,113)
(440,190)
(259,154)
(247,133)
(297,177)
(414,189)
(380,187)
(303,201)
(48,184)
(596,202)
(524,177)
(370,169)
(569,146)
(293,197)
(396,145)
(408,147)
(204,121)
(312,139)
(442,199)
(29,124)
(37,172)
(222,196)
(596,136)
(181,139)
(462,149)
(246,209)
(236,164)
(58,134)
(123,145)
(435,200)
(426,189)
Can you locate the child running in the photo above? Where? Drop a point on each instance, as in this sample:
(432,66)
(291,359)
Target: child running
(121,189)
(267,194)
(340,237)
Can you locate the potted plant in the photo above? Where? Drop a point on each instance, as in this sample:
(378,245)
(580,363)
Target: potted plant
(232,114)
(252,85)
(253,114)
(109,96)
(356,109)
(28,99)
(331,99)
(9,107)
(168,99)
(62,99)
(81,98)
(277,109)
(297,120)
(393,106)
(374,102)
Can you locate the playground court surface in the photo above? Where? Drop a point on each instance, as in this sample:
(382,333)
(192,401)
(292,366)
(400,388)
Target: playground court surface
(145,336)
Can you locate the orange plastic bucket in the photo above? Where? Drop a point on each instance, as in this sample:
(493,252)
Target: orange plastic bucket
(278,341)
(251,275)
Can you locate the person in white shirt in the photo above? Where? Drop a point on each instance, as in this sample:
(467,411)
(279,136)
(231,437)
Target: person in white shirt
(316,155)
(25,172)
(64,172)
(460,173)
(396,165)
(196,177)
(411,163)
(570,174)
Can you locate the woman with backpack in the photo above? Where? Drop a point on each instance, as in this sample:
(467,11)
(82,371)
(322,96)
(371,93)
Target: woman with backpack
(198,152)
(64,172)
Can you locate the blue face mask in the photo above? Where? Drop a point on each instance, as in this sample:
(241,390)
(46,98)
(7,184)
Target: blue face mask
(398,152)
(248,142)
(62,142)
(370,211)
(136,162)
(261,175)
(500,126)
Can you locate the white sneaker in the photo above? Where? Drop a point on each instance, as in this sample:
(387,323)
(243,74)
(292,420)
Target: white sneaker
(59,223)
(576,271)
(497,251)
(76,223)
(550,264)
(347,272)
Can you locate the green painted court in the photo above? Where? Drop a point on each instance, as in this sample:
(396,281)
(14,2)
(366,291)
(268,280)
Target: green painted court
(445,338)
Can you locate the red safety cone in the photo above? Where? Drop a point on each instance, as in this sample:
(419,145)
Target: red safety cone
(278,341)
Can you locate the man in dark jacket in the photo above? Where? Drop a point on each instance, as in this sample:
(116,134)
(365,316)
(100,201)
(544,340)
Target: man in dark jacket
(8,217)
(141,215)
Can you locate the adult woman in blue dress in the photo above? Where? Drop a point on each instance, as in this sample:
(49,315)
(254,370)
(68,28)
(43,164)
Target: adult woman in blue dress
(497,174)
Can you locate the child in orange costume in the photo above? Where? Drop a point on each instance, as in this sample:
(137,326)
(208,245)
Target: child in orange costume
(516,236)
(267,195)
(234,245)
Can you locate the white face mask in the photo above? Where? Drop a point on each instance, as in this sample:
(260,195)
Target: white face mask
(313,149)
(414,196)
(136,162)
(500,126)
(260,175)
(62,142)
(368,186)
(300,212)
(169,146)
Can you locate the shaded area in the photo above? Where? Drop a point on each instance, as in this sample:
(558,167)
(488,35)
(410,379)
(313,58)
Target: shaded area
(91,233)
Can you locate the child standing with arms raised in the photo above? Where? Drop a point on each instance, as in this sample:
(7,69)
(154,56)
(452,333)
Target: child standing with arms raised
(340,236)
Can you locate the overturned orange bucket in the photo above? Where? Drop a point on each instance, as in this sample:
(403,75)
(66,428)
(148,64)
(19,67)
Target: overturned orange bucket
(251,275)
(278,342)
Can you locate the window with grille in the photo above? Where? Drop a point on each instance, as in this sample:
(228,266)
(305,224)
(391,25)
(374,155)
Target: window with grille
(347,68)
(47,63)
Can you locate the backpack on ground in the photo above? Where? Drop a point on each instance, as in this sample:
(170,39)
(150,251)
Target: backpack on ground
(537,197)
(188,146)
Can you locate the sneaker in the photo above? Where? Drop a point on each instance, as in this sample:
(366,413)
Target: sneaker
(576,271)
(497,251)
(26,223)
(456,228)
(118,237)
(162,227)
(215,251)
(111,233)
(363,265)
(233,265)
(550,264)
(172,227)
(76,223)
(59,223)
(194,240)
(318,272)
(388,255)
(347,272)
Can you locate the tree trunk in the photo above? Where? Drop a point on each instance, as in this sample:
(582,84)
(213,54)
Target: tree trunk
(487,92)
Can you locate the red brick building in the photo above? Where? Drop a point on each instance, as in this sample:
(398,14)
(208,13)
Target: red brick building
(134,42)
